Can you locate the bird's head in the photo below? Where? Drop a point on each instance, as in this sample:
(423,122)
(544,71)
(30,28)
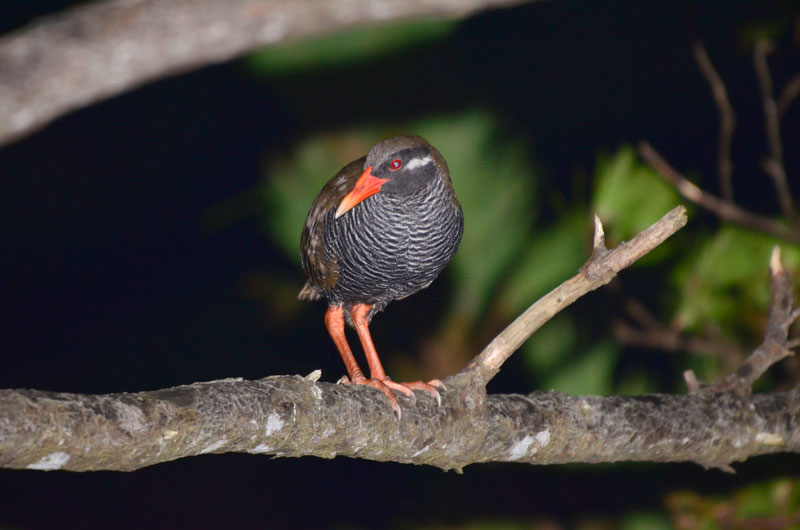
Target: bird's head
(397,165)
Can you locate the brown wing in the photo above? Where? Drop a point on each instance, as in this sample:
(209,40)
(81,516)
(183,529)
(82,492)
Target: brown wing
(308,293)
(320,268)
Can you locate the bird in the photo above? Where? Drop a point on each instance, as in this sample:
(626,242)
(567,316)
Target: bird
(383,228)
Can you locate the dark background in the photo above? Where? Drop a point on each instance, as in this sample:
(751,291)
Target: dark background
(113,281)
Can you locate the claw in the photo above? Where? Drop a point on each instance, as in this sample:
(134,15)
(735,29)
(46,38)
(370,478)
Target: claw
(430,388)
(383,387)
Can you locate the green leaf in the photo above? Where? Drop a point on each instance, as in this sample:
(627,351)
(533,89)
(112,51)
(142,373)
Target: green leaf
(727,278)
(768,498)
(756,501)
(629,196)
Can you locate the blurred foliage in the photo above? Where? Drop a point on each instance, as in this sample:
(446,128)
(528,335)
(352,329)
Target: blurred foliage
(645,521)
(346,48)
(628,197)
(550,255)
(590,372)
(725,281)
(769,504)
(628,194)
(719,280)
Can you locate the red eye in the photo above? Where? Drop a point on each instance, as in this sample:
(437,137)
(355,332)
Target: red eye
(396,164)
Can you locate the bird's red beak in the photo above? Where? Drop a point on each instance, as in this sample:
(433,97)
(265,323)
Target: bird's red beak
(366,186)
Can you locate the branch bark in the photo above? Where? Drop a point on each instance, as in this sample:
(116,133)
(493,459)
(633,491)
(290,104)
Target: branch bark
(94,51)
(294,416)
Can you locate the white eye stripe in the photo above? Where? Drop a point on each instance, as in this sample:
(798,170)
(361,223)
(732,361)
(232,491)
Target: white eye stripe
(417,162)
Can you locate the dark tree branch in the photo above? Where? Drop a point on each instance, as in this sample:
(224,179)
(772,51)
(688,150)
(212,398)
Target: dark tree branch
(725,210)
(292,416)
(727,119)
(100,49)
(773,166)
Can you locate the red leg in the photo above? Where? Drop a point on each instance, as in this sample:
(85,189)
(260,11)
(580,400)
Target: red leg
(359,314)
(334,321)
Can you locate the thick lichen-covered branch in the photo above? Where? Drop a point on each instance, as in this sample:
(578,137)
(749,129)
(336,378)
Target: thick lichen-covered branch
(294,416)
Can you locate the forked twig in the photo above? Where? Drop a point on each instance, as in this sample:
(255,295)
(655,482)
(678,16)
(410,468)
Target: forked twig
(601,268)
(775,345)
(773,166)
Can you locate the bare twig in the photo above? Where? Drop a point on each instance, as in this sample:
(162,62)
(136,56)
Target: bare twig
(774,348)
(774,165)
(692,383)
(725,210)
(100,49)
(653,334)
(601,268)
(727,119)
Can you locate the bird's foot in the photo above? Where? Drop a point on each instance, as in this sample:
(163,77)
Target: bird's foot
(432,387)
(387,385)
(380,385)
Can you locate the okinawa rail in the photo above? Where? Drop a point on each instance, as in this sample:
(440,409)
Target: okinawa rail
(381,229)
